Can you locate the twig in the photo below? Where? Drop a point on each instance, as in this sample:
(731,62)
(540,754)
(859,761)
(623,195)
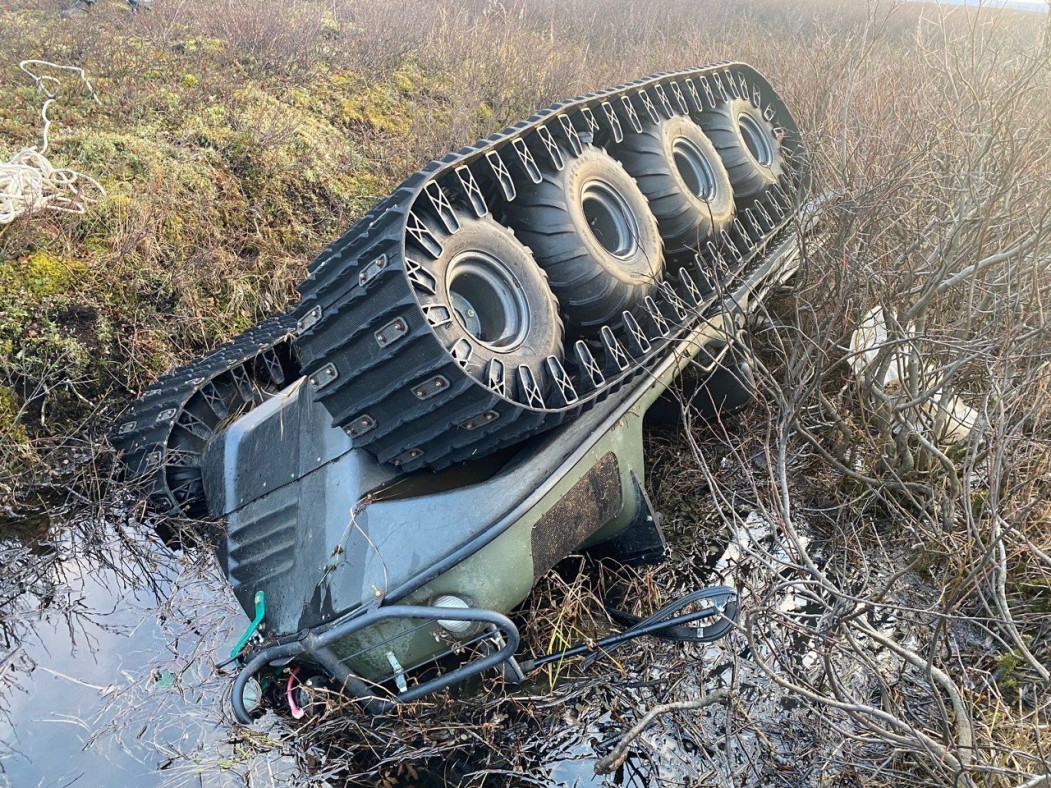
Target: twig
(613,761)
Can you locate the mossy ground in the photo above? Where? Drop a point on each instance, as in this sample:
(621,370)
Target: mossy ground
(233,146)
(222,179)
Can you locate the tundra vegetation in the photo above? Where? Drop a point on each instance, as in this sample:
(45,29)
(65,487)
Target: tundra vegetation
(235,139)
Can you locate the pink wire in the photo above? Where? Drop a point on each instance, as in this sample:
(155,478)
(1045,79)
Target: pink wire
(297,713)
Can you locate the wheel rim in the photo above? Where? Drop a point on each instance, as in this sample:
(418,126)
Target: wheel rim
(487,300)
(610,219)
(694,168)
(756,139)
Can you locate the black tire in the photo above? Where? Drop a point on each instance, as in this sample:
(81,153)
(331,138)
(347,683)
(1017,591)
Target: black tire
(591,230)
(749,145)
(680,172)
(495,296)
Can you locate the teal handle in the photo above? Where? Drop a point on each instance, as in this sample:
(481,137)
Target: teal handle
(260,611)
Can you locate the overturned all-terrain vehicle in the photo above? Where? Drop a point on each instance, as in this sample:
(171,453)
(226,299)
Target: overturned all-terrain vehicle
(456,403)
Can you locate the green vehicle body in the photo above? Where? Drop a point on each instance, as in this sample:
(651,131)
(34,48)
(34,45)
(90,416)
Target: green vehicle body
(578,487)
(456,403)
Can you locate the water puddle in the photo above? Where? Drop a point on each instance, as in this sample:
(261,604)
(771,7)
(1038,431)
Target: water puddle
(107,663)
(109,678)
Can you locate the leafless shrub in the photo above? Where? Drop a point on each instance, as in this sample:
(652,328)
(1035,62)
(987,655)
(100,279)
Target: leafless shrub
(941,213)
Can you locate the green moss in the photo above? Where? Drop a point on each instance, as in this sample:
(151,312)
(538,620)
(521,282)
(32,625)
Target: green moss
(12,431)
(931,558)
(212,45)
(205,45)
(1006,667)
(405,79)
(379,106)
(169,198)
(221,181)
(330,28)
(39,275)
(978,499)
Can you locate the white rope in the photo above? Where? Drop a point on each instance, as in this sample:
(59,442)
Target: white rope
(28,180)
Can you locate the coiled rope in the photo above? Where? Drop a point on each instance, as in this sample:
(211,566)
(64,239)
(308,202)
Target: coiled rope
(28,180)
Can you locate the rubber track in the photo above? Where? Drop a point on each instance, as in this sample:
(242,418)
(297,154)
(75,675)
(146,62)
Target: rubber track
(142,436)
(368,384)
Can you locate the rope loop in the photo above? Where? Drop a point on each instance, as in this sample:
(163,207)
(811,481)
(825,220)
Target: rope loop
(29,182)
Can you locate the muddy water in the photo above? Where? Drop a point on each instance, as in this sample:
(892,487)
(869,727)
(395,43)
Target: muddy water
(109,674)
(73,663)
(109,679)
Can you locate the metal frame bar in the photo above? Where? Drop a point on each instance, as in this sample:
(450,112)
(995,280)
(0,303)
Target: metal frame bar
(779,256)
(316,644)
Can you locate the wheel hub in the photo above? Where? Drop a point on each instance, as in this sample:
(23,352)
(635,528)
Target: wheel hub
(694,168)
(610,219)
(488,301)
(756,139)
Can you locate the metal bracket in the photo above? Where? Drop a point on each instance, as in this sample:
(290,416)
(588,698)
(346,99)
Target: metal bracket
(311,318)
(477,421)
(323,376)
(407,456)
(399,672)
(641,543)
(371,271)
(430,388)
(361,425)
(392,332)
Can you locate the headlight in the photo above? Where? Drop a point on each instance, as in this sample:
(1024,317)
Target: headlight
(452,626)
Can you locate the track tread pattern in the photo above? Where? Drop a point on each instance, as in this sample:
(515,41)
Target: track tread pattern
(683,224)
(141,437)
(377,382)
(748,178)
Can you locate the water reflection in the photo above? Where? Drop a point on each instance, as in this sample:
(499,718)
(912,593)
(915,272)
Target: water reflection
(106,673)
(110,635)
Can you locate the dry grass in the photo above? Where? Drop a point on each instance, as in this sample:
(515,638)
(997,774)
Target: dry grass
(233,144)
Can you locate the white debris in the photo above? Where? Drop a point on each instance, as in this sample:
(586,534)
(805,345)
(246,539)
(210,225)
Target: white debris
(947,418)
(29,182)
